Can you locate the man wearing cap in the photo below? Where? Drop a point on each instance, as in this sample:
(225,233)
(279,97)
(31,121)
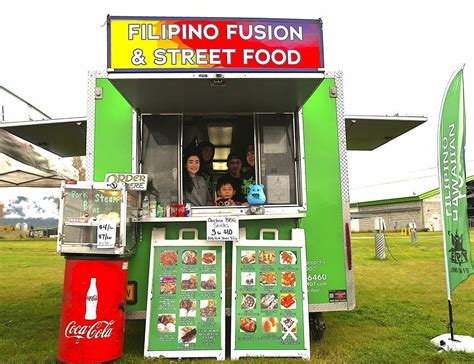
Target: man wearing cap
(234,169)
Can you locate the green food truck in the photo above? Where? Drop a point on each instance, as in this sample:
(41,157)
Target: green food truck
(256,92)
(274,95)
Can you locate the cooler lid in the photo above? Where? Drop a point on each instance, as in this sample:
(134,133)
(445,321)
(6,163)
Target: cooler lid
(368,132)
(64,137)
(216,93)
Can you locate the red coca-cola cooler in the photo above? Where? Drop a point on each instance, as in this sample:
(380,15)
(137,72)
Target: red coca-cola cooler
(93,310)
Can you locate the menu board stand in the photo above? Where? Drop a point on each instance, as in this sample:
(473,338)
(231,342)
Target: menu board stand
(185,315)
(270,300)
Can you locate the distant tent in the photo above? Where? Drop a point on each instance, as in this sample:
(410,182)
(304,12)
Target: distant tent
(21,163)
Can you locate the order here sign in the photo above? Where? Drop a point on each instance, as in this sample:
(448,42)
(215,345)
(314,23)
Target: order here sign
(145,44)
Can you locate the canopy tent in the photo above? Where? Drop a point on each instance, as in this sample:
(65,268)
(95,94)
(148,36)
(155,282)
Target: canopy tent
(15,108)
(16,174)
(25,165)
(21,163)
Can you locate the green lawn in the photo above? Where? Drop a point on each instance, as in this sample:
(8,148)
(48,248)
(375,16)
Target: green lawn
(401,305)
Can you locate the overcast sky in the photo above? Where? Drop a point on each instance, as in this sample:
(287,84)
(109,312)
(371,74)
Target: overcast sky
(396,57)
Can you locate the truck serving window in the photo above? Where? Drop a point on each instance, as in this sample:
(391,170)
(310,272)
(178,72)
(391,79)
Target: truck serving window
(160,139)
(167,138)
(277,158)
(226,134)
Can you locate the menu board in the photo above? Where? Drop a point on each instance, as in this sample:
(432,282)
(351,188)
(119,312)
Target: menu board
(186,317)
(269,306)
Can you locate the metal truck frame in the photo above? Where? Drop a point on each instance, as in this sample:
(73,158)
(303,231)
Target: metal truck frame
(323,211)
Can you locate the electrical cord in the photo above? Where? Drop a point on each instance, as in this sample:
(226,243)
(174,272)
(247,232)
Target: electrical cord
(388,248)
(137,230)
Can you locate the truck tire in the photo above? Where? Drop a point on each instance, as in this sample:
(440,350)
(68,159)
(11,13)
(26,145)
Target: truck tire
(317,326)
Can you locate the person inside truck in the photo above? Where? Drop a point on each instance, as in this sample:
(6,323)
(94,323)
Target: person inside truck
(207,152)
(248,171)
(234,174)
(226,192)
(194,185)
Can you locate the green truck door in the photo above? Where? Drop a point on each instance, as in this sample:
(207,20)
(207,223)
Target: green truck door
(328,275)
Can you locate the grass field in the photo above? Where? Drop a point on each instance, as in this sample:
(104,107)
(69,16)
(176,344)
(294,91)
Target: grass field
(401,305)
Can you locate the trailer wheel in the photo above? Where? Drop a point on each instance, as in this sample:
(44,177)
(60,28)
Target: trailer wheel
(317,326)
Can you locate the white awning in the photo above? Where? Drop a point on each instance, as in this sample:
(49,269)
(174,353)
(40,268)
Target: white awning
(64,137)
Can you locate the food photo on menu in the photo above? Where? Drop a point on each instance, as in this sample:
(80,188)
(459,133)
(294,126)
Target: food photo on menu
(248,257)
(189,257)
(169,257)
(248,301)
(187,334)
(268,279)
(289,324)
(208,257)
(189,281)
(247,278)
(248,324)
(166,323)
(208,282)
(268,301)
(187,308)
(168,285)
(269,324)
(288,257)
(208,308)
(266,257)
(288,301)
(288,279)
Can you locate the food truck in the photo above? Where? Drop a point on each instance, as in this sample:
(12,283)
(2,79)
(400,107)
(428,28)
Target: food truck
(243,86)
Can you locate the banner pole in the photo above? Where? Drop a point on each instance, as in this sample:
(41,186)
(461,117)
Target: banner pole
(441,192)
(451,328)
(453,193)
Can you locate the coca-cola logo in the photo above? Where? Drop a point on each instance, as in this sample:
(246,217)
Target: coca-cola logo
(98,330)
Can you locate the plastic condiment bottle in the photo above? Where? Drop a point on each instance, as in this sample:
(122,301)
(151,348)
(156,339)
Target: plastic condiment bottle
(152,206)
(145,207)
